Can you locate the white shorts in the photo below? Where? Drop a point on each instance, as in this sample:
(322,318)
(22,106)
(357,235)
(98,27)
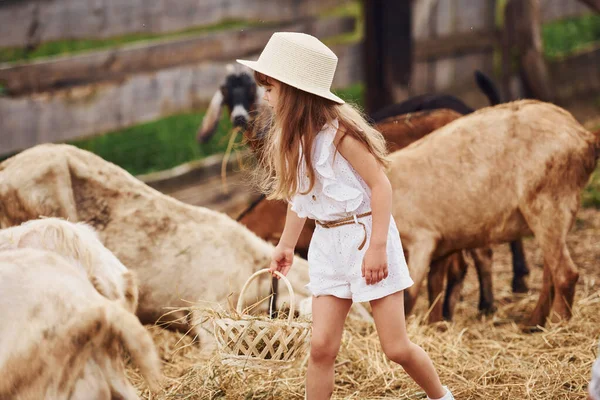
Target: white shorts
(335,263)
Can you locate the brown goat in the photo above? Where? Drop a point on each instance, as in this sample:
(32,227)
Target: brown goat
(499,174)
(402,130)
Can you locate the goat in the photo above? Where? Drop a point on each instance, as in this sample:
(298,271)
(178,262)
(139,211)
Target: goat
(240,94)
(79,243)
(60,338)
(438,101)
(499,202)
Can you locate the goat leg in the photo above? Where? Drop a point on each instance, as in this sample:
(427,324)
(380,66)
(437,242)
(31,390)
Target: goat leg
(520,269)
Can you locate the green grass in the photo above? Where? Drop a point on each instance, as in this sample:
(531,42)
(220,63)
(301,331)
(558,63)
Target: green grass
(569,35)
(171,141)
(156,145)
(78,45)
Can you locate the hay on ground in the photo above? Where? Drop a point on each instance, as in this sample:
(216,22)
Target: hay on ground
(477,357)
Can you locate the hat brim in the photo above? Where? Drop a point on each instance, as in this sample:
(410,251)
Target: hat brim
(254,65)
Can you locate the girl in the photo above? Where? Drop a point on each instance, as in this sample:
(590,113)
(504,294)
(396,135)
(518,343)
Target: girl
(355,253)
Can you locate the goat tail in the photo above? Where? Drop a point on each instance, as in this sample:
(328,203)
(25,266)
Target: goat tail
(488,87)
(137,341)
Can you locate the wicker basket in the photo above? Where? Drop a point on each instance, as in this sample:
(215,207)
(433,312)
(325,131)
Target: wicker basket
(261,342)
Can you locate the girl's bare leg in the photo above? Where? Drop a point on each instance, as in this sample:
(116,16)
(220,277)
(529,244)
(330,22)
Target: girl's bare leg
(328,316)
(388,313)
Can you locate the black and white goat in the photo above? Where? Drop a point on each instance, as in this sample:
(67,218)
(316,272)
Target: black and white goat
(240,94)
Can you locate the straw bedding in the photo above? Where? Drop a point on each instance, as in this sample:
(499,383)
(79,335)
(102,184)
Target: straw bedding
(477,357)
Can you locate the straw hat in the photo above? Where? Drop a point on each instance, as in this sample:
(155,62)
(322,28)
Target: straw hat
(301,61)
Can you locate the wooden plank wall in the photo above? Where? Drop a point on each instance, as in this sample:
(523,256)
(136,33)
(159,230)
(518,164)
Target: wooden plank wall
(453,38)
(42,21)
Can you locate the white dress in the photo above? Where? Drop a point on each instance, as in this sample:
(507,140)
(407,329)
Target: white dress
(333,256)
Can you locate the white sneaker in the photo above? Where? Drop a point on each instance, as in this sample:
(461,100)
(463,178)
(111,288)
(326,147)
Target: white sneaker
(447,396)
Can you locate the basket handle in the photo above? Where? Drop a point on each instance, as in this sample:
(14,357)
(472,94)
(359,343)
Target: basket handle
(285,280)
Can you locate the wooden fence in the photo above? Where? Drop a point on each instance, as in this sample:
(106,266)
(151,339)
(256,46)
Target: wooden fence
(68,97)
(455,37)
(76,96)
(43,21)
(116,64)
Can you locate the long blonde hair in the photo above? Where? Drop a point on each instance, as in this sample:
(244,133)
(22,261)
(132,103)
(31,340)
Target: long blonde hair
(297,120)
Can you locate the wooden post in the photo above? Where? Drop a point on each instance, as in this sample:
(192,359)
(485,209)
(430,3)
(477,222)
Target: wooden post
(522,25)
(387,52)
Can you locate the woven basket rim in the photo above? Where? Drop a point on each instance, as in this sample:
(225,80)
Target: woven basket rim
(265,322)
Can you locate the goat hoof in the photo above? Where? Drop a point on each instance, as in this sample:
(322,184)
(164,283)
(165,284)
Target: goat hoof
(519,286)
(488,310)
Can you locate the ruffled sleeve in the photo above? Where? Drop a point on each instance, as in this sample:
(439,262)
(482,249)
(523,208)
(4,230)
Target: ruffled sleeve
(297,208)
(338,188)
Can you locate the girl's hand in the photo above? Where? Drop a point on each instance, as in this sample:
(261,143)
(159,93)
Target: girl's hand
(281,260)
(374,266)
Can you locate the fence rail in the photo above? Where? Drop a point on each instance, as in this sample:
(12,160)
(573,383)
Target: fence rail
(456,44)
(115,64)
(42,21)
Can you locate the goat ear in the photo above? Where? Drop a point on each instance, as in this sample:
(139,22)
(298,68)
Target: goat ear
(31,239)
(211,119)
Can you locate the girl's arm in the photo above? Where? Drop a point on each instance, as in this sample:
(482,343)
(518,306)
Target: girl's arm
(375,262)
(292,229)
(283,255)
(374,176)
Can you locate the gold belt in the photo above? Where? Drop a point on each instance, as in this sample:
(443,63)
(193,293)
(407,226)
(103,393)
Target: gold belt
(353,219)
